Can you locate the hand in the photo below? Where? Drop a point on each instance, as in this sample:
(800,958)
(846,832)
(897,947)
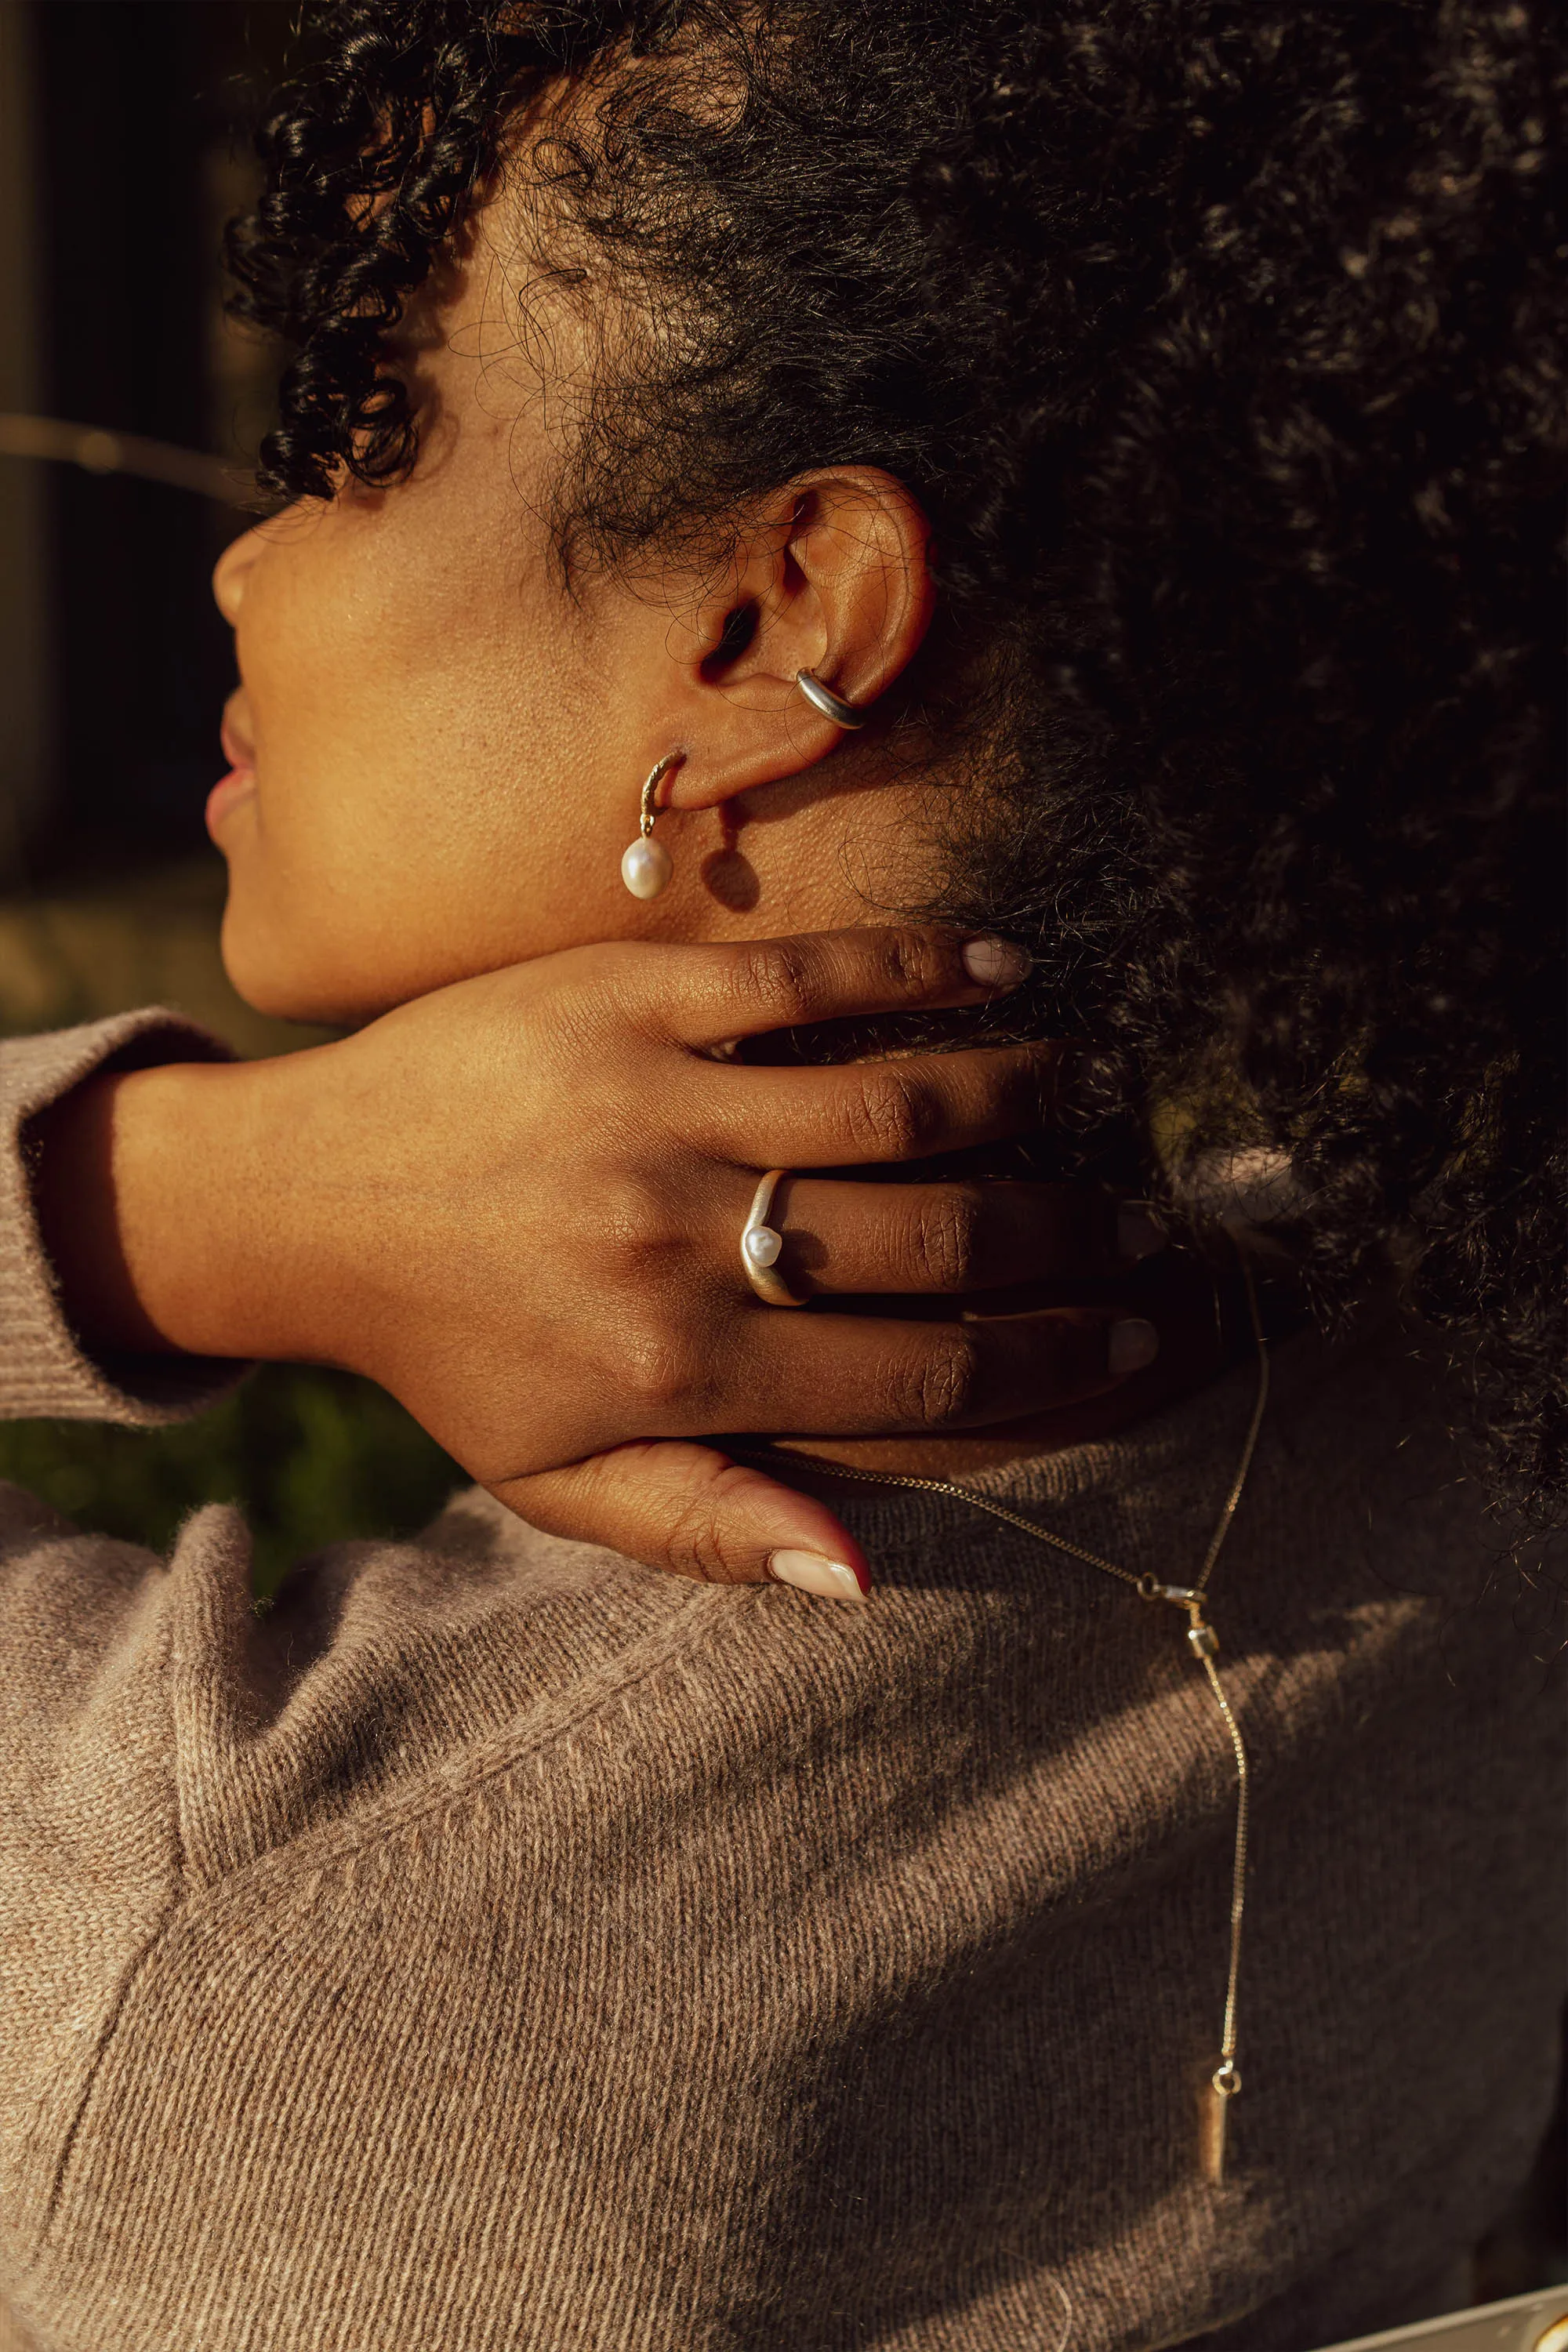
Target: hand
(517,1204)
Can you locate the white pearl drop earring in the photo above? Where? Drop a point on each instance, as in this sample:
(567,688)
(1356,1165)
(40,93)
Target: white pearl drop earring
(646,864)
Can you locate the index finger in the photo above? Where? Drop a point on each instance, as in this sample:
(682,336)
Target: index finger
(719,993)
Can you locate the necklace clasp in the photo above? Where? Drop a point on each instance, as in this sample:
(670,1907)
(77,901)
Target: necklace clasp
(1181,1596)
(1199,1632)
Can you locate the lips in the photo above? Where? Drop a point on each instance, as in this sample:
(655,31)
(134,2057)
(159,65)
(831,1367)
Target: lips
(240,781)
(237,787)
(234,737)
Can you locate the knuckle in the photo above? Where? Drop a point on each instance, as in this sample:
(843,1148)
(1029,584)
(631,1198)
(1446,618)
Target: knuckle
(636,1236)
(953,1375)
(912,962)
(778,976)
(946,1241)
(940,1386)
(656,1373)
(614,997)
(694,1545)
(896,1114)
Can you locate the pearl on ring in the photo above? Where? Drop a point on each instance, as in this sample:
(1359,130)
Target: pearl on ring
(761,1243)
(645,867)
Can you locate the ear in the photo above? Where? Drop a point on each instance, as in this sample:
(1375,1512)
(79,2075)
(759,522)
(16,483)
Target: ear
(832,576)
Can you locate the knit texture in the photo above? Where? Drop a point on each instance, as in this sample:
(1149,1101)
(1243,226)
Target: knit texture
(497,1945)
(43,1373)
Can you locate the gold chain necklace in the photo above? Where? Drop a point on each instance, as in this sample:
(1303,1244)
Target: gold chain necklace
(1203,1642)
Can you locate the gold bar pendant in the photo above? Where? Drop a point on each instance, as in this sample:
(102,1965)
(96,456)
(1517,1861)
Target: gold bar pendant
(1212,2122)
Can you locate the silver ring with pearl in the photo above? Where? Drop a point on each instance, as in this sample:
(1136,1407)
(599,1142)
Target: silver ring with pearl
(761,1243)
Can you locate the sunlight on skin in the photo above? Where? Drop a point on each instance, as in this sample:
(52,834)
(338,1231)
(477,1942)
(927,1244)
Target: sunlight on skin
(440,746)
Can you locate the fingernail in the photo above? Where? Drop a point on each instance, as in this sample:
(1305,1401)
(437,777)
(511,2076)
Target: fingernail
(812,1571)
(1137,1234)
(996,963)
(1133,1344)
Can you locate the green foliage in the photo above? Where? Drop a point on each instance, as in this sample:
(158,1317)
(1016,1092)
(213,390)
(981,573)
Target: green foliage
(311,1456)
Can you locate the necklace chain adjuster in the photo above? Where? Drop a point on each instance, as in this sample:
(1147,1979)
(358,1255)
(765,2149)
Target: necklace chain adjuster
(1203,1642)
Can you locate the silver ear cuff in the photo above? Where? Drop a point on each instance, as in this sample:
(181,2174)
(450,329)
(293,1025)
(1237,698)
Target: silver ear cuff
(832,706)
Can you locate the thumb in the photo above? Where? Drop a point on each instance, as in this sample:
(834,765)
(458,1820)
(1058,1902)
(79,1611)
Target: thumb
(691,1510)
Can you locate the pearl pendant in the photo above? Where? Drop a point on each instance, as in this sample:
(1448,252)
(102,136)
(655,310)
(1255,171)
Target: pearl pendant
(645,867)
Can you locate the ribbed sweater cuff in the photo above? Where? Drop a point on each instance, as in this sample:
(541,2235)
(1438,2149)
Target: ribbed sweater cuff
(44,1371)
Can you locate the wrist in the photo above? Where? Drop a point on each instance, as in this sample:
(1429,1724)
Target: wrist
(163,1209)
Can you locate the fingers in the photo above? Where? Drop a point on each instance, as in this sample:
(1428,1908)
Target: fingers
(872,1112)
(863,1376)
(719,993)
(692,1511)
(952,1238)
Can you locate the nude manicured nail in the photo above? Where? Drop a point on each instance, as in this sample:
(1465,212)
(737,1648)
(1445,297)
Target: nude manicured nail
(812,1571)
(996,963)
(1137,1234)
(1133,1344)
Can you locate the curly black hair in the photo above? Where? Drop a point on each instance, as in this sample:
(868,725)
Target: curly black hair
(1223,342)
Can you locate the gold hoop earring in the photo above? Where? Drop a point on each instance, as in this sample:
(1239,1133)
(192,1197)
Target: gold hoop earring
(646,864)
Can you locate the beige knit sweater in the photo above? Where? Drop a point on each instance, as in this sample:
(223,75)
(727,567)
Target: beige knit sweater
(499,1945)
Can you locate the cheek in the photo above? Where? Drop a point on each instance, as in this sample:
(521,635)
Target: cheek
(427,775)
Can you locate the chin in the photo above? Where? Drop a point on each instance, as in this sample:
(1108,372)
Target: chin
(286,981)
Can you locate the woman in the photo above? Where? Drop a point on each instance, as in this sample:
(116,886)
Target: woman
(1079,473)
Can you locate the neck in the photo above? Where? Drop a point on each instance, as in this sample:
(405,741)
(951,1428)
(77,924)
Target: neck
(844,842)
(842,846)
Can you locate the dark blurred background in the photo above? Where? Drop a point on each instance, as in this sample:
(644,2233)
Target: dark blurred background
(122,135)
(124,147)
